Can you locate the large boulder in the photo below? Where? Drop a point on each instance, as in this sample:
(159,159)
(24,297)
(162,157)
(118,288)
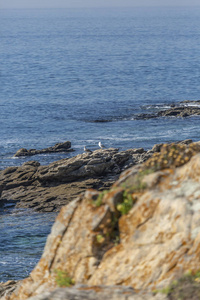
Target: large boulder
(143,233)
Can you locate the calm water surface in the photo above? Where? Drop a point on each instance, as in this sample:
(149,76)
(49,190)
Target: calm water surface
(23,234)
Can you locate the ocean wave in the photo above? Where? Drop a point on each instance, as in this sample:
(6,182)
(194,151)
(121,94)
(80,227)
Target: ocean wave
(156,106)
(191,105)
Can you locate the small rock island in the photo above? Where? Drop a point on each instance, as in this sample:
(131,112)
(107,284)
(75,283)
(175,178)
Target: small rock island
(59,147)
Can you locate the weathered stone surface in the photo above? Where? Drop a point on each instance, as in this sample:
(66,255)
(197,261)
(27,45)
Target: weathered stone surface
(59,147)
(6,288)
(97,293)
(180,112)
(49,198)
(48,188)
(158,238)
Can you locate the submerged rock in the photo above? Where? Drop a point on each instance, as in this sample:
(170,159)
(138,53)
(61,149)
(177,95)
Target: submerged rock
(59,147)
(142,233)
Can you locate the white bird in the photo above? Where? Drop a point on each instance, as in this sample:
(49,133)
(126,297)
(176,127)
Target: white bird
(101,146)
(87,150)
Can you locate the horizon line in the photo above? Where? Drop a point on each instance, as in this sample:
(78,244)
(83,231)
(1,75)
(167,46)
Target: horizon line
(104,7)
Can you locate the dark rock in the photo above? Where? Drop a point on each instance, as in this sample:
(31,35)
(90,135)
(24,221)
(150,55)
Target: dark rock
(138,151)
(183,111)
(59,147)
(185,142)
(21,152)
(178,110)
(102,121)
(32,163)
(157,147)
(145,116)
(48,188)
(9,170)
(6,288)
(190,101)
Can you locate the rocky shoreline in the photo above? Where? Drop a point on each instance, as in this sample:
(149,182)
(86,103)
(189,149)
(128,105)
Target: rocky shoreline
(48,188)
(138,239)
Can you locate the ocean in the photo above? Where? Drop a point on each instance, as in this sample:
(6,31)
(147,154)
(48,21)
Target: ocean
(84,75)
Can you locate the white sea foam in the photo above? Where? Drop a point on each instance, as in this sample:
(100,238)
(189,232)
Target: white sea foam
(191,105)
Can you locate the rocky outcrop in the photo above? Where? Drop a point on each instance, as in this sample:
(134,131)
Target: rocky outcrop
(48,188)
(182,109)
(143,233)
(90,165)
(172,112)
(6,288)
(59,147)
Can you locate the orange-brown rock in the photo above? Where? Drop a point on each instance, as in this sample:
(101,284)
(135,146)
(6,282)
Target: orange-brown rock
(157,241)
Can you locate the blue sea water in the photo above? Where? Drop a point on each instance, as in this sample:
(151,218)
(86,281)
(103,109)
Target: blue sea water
(61,70)
(23,234)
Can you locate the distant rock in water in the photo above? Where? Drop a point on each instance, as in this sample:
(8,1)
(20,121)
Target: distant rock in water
(59,147)
(182,109)
(101,121)
(197,102)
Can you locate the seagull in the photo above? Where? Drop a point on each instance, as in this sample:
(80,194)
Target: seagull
(101,146)
(87,150)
